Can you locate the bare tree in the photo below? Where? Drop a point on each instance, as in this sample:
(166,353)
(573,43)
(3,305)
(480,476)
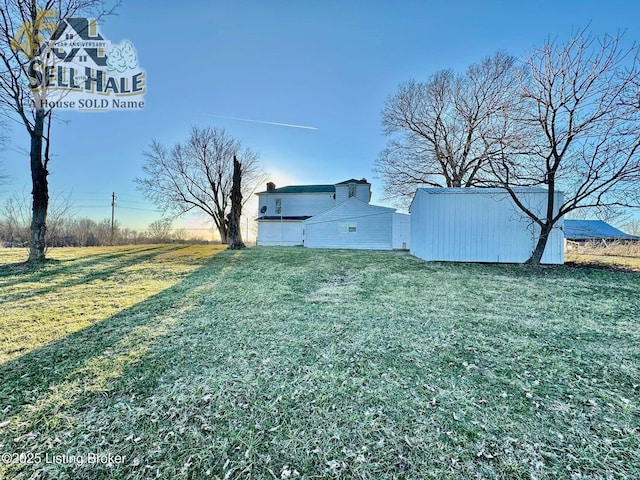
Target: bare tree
(61,210)
(16,218)
(26,28)
(198,175)
(83,230)
(235,235)
(180,235)
(3,141)
(632,227)
(15,221)
(442,131)
(579,108)
(160,230)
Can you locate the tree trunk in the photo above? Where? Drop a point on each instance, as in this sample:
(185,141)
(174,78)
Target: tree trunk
(40,192)
(222,231)
(235,236)
(536,255)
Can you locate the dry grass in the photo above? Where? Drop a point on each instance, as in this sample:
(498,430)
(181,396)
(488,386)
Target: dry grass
(79,287)
(614,254)
(295,363)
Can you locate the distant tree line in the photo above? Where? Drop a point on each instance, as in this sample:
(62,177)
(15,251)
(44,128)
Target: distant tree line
(65,230)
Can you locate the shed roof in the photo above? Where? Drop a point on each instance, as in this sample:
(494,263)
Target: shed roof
(593,230)
(475,191)
(350,208)
(480,191)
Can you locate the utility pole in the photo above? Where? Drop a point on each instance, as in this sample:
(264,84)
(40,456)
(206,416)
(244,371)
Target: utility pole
(113,215)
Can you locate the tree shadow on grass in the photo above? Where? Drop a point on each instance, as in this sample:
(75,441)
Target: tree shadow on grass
(99,389)
(25,378)
(609,267)
(179,382)
(51,363)
(122,262)
(53,267)
(44,392)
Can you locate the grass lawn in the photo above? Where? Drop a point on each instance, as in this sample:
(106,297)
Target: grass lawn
(284,363)
(629,262)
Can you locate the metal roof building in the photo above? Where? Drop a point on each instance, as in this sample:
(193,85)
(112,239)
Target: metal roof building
(593,230)
(481,225)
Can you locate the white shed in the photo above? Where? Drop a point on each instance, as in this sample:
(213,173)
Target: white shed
(480,225)
(352,223)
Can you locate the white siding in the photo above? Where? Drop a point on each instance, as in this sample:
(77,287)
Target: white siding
(296,204)
(401,231)
(274,232)
(330,229)
(362,192)
(480,225)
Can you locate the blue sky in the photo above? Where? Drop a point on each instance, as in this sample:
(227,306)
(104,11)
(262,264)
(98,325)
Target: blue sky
(328,64)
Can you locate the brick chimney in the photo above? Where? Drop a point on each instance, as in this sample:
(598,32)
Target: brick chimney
(271,186)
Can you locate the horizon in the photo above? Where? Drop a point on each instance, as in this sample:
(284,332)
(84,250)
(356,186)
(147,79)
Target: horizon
(303,85)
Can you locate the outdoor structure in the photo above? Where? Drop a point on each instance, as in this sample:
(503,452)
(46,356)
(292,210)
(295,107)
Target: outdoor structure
(401,231)
(594,231)
(480,225)
(329,216)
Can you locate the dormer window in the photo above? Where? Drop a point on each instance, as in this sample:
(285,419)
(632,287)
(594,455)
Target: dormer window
(352,190)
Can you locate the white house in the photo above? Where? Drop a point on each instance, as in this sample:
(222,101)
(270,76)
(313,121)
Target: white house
(329,216)
(480,225)
(282,211)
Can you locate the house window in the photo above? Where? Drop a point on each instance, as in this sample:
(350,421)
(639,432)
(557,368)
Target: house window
(351,227)
(278,206)
(352,190)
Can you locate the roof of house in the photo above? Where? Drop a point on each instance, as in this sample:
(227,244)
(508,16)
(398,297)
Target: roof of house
(593,230)
(362,181)
(284,218)
(302,189)
(313,188)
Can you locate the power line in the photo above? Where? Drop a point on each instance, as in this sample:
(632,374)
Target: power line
(113,214)
(141,209)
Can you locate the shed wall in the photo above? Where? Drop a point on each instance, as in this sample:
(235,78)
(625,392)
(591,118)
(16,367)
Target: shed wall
(331,229)
(479,226)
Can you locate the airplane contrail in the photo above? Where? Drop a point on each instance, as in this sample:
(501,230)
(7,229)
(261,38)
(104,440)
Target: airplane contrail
(265,122)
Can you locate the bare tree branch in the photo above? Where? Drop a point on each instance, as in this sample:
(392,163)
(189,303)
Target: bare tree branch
(443,131)
(26,28)
(579,109)
(198,174)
